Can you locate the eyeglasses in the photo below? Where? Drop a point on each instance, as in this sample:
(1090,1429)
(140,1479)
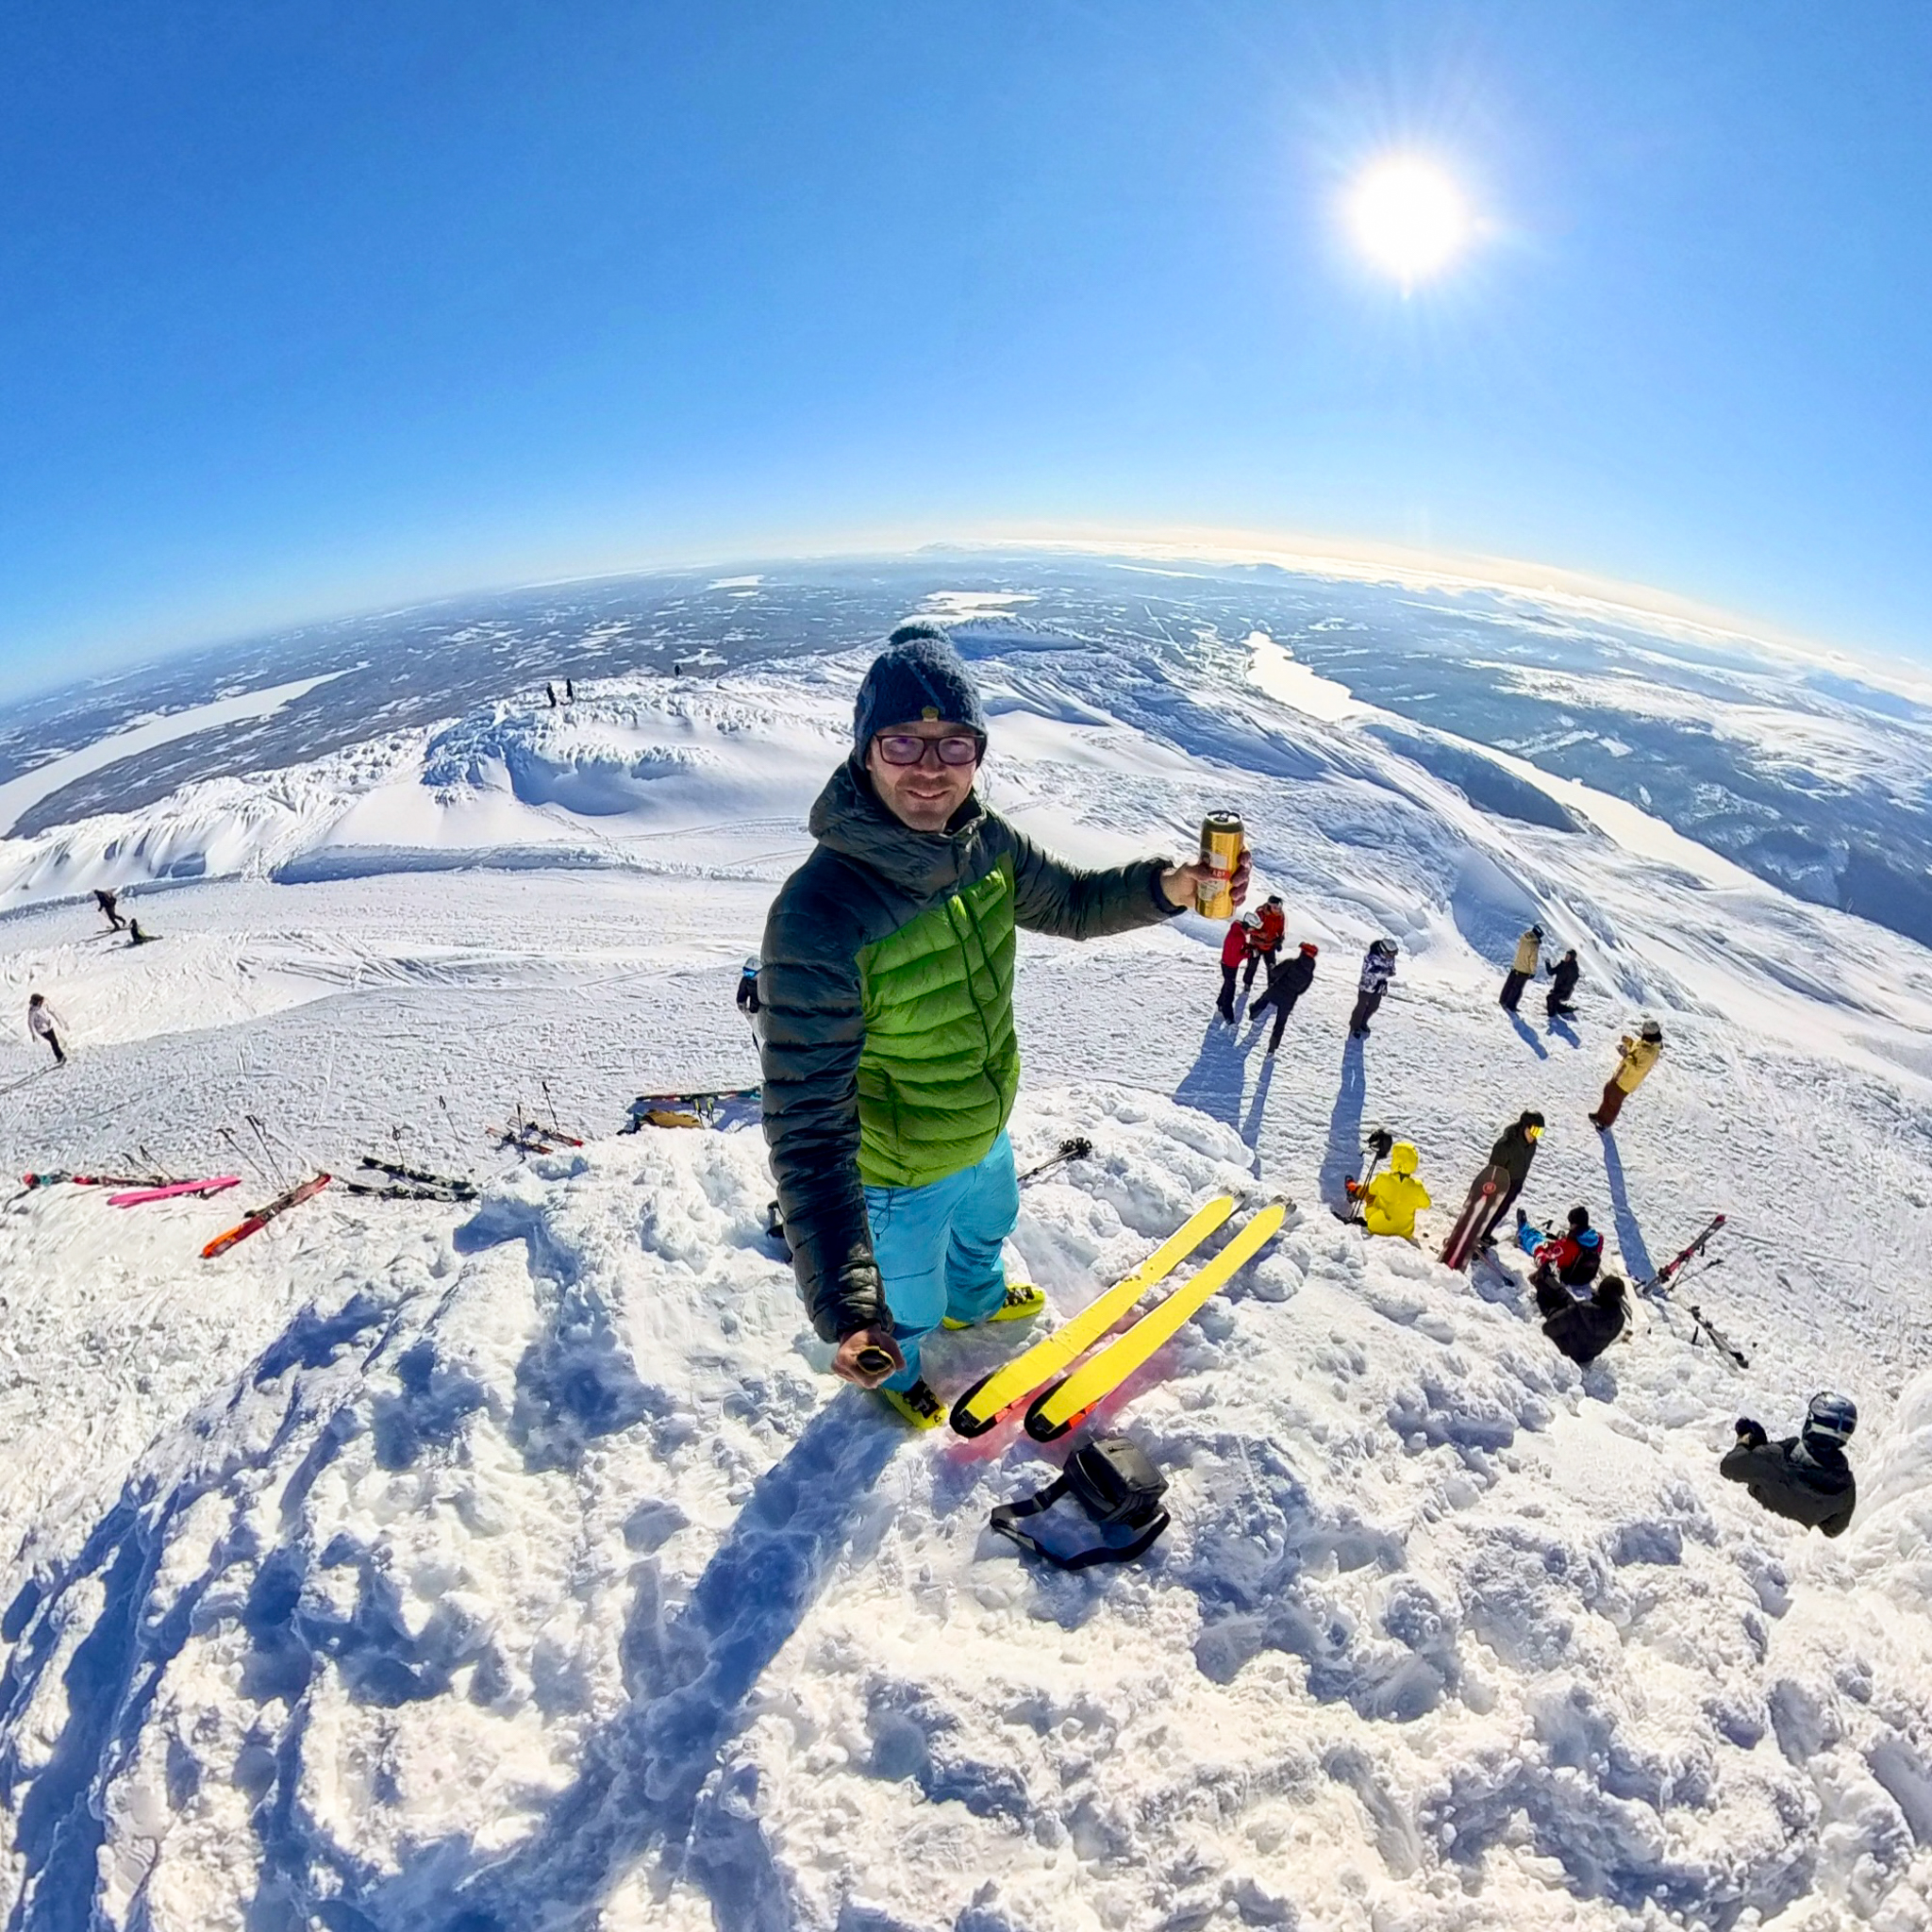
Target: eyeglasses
(908,749)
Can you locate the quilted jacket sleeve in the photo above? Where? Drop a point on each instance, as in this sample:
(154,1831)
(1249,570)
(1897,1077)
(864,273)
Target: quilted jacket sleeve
(1051,896)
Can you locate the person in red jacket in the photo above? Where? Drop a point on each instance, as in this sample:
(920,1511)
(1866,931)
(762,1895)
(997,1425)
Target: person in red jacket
(1265,940)
(1234,950)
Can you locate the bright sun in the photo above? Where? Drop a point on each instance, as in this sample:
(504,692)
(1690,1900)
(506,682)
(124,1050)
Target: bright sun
(1409,217)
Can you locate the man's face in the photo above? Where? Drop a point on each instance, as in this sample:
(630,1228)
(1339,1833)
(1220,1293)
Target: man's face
(923,796)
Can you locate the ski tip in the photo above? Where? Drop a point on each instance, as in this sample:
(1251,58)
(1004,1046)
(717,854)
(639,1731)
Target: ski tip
(1039,1425)
(964,1422)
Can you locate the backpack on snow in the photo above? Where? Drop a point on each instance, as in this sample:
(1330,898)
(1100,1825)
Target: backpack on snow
(1119,1489)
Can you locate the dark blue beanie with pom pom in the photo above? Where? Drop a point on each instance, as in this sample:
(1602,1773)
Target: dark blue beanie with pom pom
(918,674)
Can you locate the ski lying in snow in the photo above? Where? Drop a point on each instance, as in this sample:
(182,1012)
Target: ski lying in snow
(422,1177)
(1475,1213)
(214,1184)
(402,1190)
(1719,1339)
(1059,1407)
(525,1138)
(699,1109)
(96,1180)
(1684,1255)
(990,1397)
(255,1222)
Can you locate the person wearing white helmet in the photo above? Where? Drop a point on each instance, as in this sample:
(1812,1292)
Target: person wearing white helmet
(1805,1477)
(748,990)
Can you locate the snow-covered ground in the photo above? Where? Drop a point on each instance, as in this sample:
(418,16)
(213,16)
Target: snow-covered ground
(517,1566)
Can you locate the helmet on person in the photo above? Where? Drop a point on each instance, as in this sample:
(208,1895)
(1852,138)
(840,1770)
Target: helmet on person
(1579,1220)
(1651,1030)
(1831,1417)
(750,965)
(1536,932)
(1404,1158)
(1386,948)
(1310,948)
(1251,919)
(37,999)
(1273,899)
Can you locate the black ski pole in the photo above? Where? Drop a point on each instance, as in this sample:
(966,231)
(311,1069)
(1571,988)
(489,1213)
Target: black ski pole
(1077,1148)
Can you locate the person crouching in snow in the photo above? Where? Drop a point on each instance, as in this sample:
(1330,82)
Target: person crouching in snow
(1378,968)
(1563,978)
(890,1058)
(1392,1201)
(1236,946)
(1635,1059)
(1805,1477)
(1583,1329)
(1286,985)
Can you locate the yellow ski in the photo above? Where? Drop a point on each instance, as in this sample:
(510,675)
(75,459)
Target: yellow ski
(982,1404)
(1055,1412)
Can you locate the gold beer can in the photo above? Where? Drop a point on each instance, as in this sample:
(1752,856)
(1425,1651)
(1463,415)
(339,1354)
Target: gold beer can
(1224,838)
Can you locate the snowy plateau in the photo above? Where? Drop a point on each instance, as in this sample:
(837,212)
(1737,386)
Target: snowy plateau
(516,1565)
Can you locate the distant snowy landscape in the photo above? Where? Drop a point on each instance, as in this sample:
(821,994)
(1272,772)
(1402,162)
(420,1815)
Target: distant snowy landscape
(515,1564)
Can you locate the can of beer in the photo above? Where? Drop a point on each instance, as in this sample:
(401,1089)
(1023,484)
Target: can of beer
(1224,838)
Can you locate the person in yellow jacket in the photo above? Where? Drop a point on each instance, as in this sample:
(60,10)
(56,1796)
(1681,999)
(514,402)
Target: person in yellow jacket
(1392,1201)
(1525,967)
(1635,1059)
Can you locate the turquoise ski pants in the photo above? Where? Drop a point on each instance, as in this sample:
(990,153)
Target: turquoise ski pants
(938,1248)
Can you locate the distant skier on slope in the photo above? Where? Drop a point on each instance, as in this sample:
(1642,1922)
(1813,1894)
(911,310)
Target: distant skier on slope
(1378,968)
(569,692)
(106,900)
(1635,1059)
(1266,928)
(1563,978)
(44,1024)
(1584,1328)
(1235,947)
(1571,1258)
(748,990)
(1513,1151)
(1392,1201)
(550,692)
(891,1059)
(136,936)
(1523,967)
(1286,985)
(1805,1477)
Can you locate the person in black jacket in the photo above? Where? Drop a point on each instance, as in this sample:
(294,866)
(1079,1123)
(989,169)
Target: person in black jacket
(106,901)
(1805,1477)
(748,990)
(1287,983)
(1514,1150)
(1563,978)
(1583,1329)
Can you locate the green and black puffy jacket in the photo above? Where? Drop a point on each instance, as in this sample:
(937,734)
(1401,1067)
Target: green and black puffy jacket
(886,997)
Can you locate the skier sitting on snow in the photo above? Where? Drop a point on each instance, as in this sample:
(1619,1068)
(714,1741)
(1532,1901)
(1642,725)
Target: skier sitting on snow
(1286,985)
(1805,1477)
(890,1059)
(1563,978)
(1515,1149)
(1571,1258)
(1392,1201)
(1236,946)
(1583,1329)
(135,936)
(1378,968)
(748,988)
(1267,927)
(1523,968)
(1635,1059)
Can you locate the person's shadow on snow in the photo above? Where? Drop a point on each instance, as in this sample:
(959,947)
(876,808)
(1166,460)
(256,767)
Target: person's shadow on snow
(1630,1242)
(1213,1083)
(1257,1104)
(1564,1032)
(1344,1155)
(1528,1034)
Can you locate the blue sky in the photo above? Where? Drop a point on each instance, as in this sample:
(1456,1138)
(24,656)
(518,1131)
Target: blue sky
(308,308)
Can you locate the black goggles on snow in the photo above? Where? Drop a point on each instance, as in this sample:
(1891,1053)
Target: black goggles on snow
(909,748)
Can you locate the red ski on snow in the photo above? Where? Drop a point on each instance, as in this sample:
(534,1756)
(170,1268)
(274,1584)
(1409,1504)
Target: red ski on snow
(262,1216)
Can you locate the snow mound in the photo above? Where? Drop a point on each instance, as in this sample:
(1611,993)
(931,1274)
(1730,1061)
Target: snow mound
(534,1575)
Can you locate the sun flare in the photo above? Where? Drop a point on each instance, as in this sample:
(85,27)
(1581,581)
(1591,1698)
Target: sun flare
(1409,217)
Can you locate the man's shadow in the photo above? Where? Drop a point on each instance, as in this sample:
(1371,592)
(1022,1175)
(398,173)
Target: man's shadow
(1213,1083)
(1564,1032)
(1257,1104)
(1630,1242)
(1344,1154)
(1528,1034)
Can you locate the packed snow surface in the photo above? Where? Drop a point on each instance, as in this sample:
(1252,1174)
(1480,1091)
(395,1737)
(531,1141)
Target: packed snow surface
(516,1565)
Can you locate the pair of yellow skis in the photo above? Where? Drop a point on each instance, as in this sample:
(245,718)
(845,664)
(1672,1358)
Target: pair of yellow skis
(1060,1406)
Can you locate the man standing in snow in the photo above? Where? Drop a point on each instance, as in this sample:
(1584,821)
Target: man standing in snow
(1286,985)
(1563,978)
(1515,1149)
(1236,945)
(1523,967)
(43,1025)
(890,1058)
(106,901)
(1635,1059)
(1267,927)
(1805,1477)
(1378,968)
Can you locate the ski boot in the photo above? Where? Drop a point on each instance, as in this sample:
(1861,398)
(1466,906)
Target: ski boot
(918,1405)
(1022,1299)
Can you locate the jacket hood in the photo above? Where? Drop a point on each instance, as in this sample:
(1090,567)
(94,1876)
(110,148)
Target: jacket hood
(848,817)
(1403,1158)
